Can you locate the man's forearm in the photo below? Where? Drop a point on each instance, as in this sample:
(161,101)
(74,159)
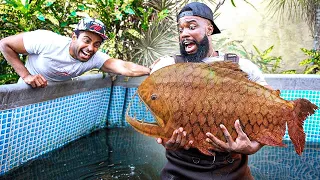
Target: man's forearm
(125,68)
(137,70)
(14,60)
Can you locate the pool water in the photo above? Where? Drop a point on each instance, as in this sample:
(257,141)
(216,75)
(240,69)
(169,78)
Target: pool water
(117,153)
(122,153)
(285,163)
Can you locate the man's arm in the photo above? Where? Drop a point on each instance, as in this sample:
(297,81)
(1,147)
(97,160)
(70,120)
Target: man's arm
(11,47)
(125,68)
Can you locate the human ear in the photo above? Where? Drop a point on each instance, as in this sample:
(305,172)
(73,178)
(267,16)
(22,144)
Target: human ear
(209,30)
(74,36)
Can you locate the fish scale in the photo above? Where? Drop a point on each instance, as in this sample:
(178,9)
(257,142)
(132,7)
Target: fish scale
(199,97)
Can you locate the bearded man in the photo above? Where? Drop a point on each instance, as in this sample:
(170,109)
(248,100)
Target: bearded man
(230,159)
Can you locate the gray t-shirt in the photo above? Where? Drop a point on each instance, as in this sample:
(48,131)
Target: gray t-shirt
(49,56)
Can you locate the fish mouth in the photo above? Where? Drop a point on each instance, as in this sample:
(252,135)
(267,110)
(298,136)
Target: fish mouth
(154,129)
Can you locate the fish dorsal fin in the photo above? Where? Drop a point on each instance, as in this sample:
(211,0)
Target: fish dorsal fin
(226,64)
(228,68)
(276,92)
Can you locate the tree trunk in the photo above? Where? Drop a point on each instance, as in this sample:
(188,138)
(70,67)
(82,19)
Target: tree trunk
(316,43)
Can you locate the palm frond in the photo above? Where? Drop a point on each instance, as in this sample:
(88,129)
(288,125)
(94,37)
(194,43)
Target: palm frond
(293,9)
(157,41)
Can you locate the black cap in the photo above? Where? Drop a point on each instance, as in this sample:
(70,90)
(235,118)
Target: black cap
(201,10)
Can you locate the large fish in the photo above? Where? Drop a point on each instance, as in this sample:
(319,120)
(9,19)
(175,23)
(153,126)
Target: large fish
(199,97)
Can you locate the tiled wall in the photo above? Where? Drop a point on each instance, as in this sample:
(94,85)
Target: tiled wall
(34,129)
(312,123)
(31,130)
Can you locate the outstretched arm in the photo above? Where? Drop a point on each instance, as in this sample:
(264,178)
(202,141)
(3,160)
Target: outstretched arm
(11,47)
(125,68)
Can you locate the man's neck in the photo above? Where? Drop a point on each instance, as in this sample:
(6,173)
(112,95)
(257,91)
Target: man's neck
(213,53)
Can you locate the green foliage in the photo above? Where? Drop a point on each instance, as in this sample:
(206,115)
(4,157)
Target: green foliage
(154,43)
(312,63)
(267,63)
(295,9)
(7,73)
(289,72)
(226,45)
(234,4)
(118,16)
(139,31)
(21,16)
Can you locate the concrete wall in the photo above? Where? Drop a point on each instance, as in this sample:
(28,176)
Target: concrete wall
(255,27)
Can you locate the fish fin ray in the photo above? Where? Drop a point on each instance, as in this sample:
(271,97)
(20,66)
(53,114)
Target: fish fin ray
(206,151)
(271,139)
(230,69)
(302,109)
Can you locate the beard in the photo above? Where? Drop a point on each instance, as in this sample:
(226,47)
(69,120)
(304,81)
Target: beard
(203,49)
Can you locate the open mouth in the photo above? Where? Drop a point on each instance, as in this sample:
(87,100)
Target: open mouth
(140,117)
(190,46)
(137,110)
(85,55)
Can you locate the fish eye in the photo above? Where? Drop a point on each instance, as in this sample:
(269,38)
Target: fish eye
(153,97)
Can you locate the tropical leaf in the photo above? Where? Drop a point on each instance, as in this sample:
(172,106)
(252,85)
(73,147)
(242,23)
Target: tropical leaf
(289,72)
(312,63)
(310,70)
(171,5)
(233,4)
(295,9)
(157,41)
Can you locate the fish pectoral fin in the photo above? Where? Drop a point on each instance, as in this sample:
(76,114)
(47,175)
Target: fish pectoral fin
(206,151)
(206,148)
(270,139)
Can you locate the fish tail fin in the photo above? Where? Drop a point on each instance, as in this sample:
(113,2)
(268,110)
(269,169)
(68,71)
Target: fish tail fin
(302,109)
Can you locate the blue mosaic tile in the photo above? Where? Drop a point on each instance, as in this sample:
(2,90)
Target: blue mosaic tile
(311,124)
(35,129)
(116,109)
(103,108)
(5,130)
(138,108)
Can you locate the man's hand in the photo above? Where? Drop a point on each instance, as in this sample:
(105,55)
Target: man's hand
(125,68)
(36,81)
(177,140)
(242,144)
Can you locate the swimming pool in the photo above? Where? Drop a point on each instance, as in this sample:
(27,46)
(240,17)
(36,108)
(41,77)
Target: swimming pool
(122,153)
(36,122)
